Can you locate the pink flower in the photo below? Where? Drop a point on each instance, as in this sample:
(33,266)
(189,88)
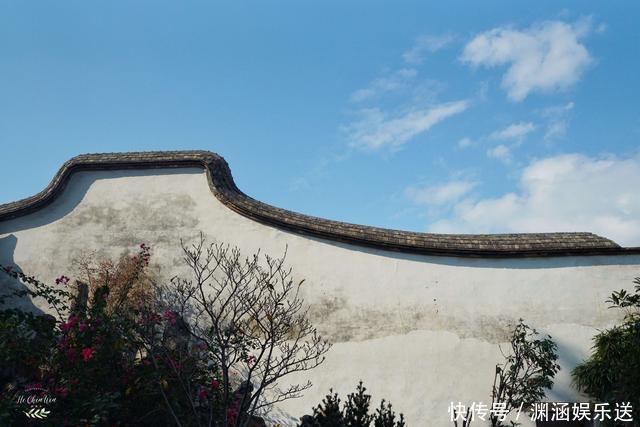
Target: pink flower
(83,326)
(232,416)
(215,384)
(70,323)
(62,280)
(152,318)
(202,394)
(251,360)
(171,316)
(87,353)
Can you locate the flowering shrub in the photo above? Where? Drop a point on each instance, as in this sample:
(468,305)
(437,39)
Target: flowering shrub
(124,350)
(113,356)
(129,280)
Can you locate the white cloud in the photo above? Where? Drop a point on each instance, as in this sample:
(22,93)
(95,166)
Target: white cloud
(426,44)
(375,130)
(397,80)
(558,110)
(500,152)
(545,57)
(557,121)
(556,129)
(439,194)
(514,131)
(564,193)
(465,142)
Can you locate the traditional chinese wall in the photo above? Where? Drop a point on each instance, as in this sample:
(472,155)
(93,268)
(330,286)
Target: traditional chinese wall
(420,325)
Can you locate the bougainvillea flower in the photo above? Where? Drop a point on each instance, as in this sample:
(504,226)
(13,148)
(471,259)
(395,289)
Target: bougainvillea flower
(62,280)
(70,323)
(202,394)
(87,353)
(171,316)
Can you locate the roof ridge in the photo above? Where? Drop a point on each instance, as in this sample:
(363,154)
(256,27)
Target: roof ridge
(225,190)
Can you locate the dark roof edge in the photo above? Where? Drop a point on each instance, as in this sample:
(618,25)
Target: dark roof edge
(223,187)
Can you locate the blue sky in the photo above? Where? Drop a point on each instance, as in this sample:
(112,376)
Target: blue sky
(509,117)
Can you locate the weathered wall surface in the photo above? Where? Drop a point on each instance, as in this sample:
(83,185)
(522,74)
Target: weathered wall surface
(421,331)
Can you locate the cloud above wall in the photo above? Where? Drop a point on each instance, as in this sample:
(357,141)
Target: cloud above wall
(514,131)
(376,129)
(569,192)
(449,192)
(399,79)
(515,134)
(465,142)
(500,152)
(557,120)
(542,58)
(426,44)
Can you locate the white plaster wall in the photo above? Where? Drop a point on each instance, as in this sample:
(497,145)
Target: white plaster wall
(419,331)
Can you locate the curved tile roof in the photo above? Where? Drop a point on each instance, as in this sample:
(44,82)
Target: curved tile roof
(223,187)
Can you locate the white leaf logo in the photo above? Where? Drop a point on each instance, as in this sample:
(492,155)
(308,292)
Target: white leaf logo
(39,413)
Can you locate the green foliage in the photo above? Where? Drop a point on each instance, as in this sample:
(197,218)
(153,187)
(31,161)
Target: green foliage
(25,340)
(328,413)
(612,372)
(356,409)
(355,412)
(528,370)
(385,417)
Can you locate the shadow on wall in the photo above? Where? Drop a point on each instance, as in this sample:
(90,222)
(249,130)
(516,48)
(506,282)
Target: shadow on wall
(568,358)
(8,284)
(506,263)
(75,191)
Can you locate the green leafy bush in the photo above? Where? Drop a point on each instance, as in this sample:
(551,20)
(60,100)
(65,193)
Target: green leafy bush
(612,373)
(528,369)
(354,413)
